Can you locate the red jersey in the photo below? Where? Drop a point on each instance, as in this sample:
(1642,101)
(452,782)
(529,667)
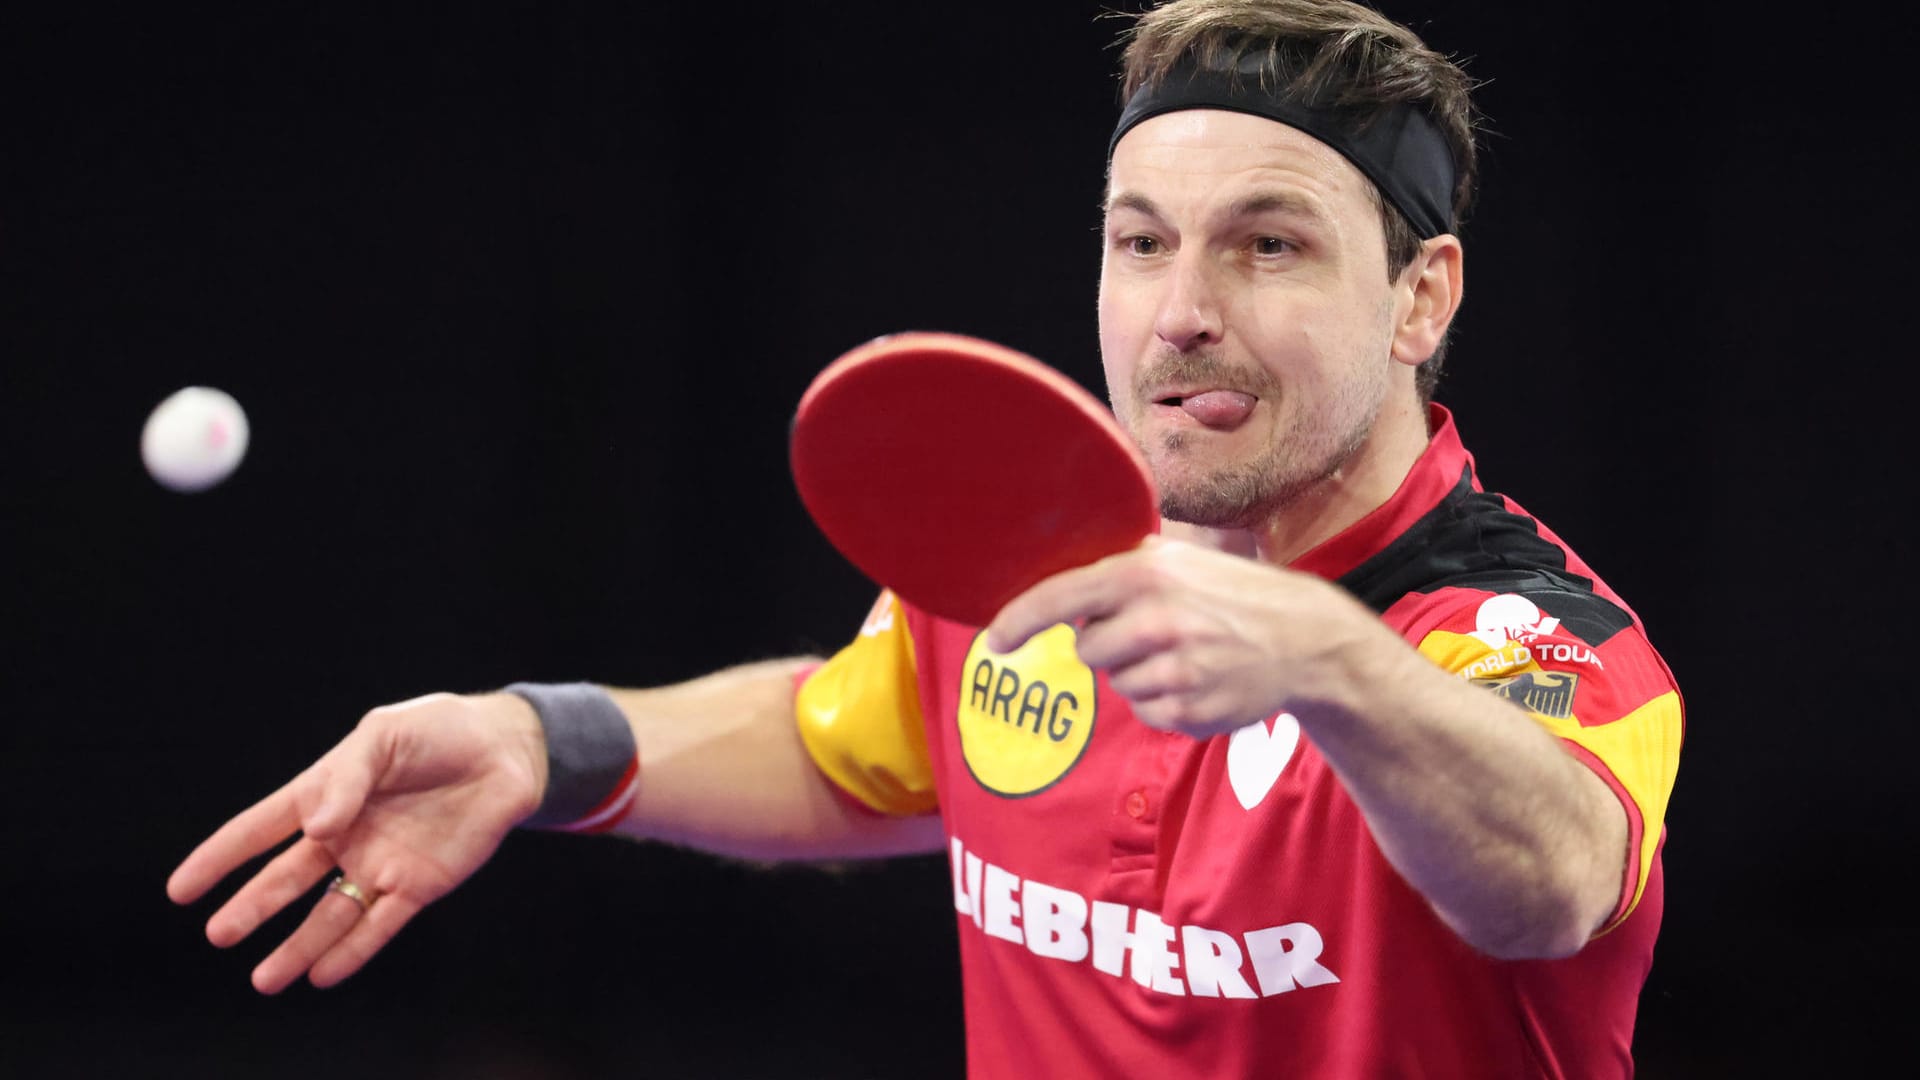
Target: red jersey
(1139,903)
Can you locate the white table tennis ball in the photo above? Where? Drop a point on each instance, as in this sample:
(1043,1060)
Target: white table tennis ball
(194,439)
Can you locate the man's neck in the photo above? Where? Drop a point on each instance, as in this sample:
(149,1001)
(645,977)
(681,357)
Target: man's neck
(1360,486)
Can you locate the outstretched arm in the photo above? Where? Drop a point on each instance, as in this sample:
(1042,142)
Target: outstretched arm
(722,769)
(1515,844)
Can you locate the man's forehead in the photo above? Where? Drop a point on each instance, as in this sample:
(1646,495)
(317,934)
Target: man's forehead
(1215,145)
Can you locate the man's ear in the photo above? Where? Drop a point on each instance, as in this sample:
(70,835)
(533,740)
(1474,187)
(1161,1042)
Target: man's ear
(1431,288)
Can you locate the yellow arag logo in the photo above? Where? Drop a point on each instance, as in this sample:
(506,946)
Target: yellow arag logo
(1025,716)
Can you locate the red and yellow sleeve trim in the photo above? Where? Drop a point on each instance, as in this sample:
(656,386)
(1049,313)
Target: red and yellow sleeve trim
(1636,751)
(859,716)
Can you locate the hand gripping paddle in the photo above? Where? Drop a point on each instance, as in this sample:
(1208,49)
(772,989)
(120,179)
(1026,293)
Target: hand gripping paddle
(959,473)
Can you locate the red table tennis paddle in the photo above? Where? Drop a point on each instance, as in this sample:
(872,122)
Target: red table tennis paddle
(959,473)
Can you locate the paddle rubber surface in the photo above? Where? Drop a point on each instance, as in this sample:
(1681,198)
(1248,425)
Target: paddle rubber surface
(959,473)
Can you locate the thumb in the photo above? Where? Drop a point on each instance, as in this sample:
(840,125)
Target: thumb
(344,778)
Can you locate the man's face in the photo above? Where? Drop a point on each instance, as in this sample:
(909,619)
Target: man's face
(1246,317)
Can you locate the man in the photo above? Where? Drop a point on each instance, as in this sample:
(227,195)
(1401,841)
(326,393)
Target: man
(1357,771)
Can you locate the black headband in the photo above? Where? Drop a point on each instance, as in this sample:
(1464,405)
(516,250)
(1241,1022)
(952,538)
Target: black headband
(1401,150)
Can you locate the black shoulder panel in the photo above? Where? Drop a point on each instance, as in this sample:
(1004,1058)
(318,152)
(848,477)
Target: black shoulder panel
(1472,541)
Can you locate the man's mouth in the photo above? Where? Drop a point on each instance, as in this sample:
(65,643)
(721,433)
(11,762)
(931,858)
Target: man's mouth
(1221,410)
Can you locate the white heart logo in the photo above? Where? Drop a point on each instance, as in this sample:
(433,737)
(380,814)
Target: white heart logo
(1255,757)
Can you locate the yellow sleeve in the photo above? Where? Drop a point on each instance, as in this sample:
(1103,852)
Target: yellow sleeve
(1614,707)
(859,716)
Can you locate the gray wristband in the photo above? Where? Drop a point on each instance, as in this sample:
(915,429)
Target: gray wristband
(591,758)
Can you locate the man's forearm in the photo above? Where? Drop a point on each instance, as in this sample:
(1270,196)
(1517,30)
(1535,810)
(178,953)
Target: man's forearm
(723,769)
(1517,845)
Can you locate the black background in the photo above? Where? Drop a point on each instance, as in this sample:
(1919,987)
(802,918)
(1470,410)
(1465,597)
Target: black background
(519,299)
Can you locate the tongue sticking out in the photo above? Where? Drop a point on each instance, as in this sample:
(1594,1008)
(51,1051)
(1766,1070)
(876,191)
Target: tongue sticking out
(1218,408)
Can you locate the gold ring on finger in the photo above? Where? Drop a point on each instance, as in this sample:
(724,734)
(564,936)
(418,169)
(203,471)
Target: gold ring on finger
(348,889)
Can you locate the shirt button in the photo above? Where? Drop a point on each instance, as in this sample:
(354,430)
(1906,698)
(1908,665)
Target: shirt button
(1137,805)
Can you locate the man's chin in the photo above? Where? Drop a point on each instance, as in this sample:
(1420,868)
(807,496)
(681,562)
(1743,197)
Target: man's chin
(1230,499)
(1212,510)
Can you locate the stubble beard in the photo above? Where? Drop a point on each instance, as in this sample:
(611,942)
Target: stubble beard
(1241,494)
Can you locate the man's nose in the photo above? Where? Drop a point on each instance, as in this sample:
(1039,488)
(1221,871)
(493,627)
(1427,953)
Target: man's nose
(1189,313)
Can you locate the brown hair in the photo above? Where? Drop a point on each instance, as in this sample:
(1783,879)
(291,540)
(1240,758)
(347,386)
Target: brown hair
(1335,51)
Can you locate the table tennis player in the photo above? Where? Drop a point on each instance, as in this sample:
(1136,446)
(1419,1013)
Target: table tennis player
(1365,770)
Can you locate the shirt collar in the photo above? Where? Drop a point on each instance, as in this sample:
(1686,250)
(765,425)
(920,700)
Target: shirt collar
(1435,474)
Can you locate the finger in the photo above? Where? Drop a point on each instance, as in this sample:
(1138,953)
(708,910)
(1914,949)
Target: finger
(332,917)
(345,775)
(1132,636)
(1153,678)
(1085,592)
(1196,714)
(322,801)
(279,883)
(1160,714)
(382,921)
(254,830)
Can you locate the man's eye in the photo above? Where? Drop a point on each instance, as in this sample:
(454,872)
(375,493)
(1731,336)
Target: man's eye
(1270,245)
(1143,245)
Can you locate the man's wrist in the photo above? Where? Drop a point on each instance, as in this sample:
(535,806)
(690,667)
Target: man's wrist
(592,764)
(1366,669)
